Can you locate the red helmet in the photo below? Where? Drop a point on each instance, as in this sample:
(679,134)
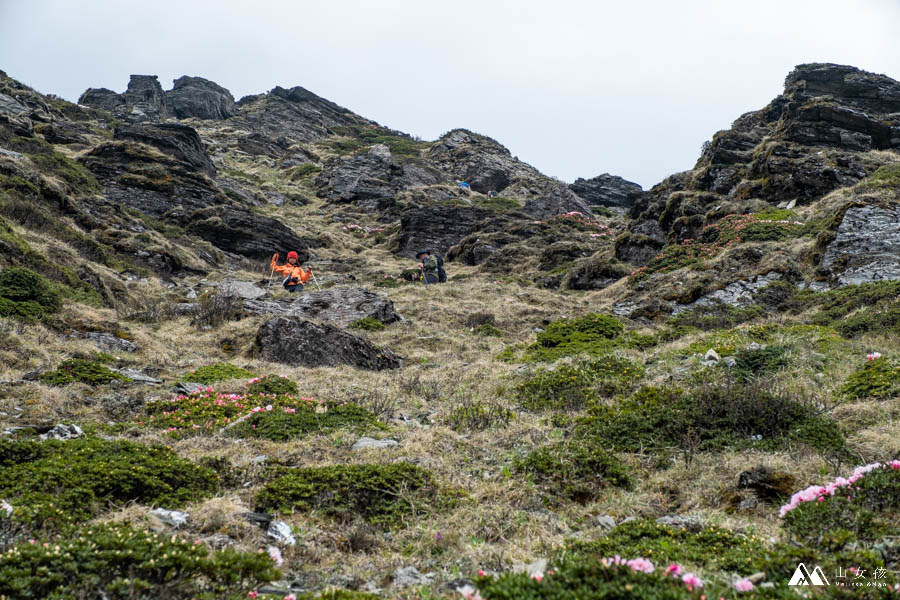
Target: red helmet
(293,255)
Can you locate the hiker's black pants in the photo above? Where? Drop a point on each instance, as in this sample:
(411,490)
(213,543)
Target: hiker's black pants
(430,278)
(293,287)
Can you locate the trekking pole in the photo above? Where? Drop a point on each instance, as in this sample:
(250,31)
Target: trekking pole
(270,277)
(315,280)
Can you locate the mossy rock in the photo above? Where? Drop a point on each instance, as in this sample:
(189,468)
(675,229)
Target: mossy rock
(380,494)
(76,370)
(217,372)
(85,475)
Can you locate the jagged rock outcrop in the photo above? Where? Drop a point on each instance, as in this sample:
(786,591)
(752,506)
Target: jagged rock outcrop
(295,113)
(807,142)
(298,342)
(144,99)
(340,306)
(200,98)
(487,166)
(607,190)
(865,246)
(173,191)
(369,180)
(180,141)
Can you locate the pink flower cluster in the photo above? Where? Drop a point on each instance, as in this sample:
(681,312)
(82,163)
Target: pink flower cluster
(743,585)
(818,493)
(365,231)
(873,356)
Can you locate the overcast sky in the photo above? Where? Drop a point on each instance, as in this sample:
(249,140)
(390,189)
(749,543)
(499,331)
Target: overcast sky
(576,88)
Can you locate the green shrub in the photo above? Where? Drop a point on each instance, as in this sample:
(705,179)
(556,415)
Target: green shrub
(756,361)
(861,513)
(81,371)
(711,417)
(575,469)
(487,330)
(367,324)
(118,562)
(878,378)
(571,387)
(711,547)
(85,475)
(854,309)
(302,171)
(217,372)
(26,295)
(591,334)
(380,494)
(716,315)
(286,424)
(272,385)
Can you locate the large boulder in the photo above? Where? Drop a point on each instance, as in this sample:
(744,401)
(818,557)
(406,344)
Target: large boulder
(339,306)
(298,342)
(200,98)
(144,99)
(607,190)
(180,141)
(436,228)
(866,246)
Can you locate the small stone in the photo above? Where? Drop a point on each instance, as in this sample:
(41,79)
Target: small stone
(791,204)
(281,533)
(63,432)
(175,518)
(187,388)
(191,295)
(711,355)
(367,443)
(410,576)
(537,567)
(137,377)
(605,522)
(259,460)
(681,522)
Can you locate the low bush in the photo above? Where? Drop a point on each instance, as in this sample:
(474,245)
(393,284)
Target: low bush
(206,411)
(118,562)
(217,372)
(716,315)
(573,386)
(290,423)
(576,469)
(878,378)
(712,416)
(487,330)
(380,494)
(85,475)
(712,548)
(592,334)
(859,510)
(76,370)
(759,360)
(478,415)
(26,295)
(367,324)
(272,385)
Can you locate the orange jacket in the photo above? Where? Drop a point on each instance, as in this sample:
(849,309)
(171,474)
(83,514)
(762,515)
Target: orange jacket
(289,270)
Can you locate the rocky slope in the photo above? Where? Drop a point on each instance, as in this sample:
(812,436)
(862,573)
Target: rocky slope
(609,371)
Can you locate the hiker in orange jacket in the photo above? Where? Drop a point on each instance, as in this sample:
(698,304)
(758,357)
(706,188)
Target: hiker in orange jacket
(294,275)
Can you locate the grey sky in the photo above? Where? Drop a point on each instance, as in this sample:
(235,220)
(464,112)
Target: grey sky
(574,88)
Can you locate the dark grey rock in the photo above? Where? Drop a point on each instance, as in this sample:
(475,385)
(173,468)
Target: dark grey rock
(340,306)
(866,246)
(369,180)
(180,141)
(138,377)
(436,228)
(200,98)
(187,388)
(737,294)
(294,341)
(607,190)
(110,343)
(146,98)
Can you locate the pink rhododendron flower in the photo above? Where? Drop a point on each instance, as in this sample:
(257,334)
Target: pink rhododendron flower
(275,555)
(469,593)
(290,597)
(537,576)
(674,570)
(743,585)
(640,564)
(253,594)
(873,356)
(691,581)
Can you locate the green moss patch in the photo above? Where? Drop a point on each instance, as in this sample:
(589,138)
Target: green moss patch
(217,372)
(287,424)
(367,324)
(380,494)
(119,562)
(591,334)
(575,469)
(86,475)
(76,370)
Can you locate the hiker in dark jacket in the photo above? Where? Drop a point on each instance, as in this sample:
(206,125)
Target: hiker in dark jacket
(432,267)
